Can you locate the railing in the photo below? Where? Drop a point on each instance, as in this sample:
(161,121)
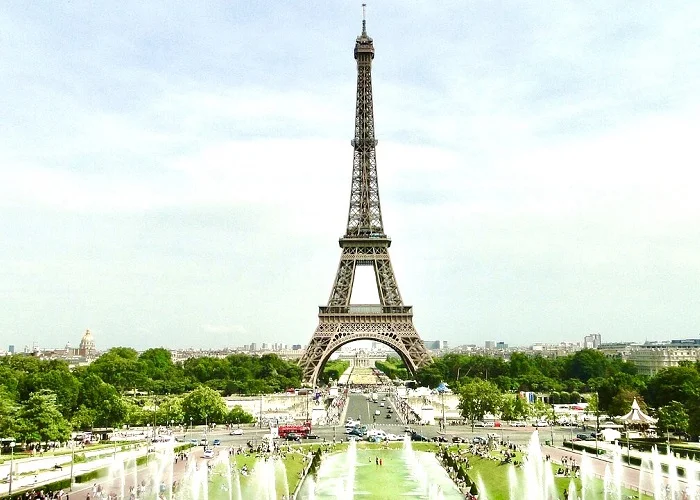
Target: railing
(366,309)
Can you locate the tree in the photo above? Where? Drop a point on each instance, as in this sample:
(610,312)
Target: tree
(673,417)
(586,364)
(622,402)
(109,408)
(170,410)
(121,368)
(203,405)
(677,383)
(84,418)
(238,415)
(478,397)
(40,420)
(332,370)
(8,414)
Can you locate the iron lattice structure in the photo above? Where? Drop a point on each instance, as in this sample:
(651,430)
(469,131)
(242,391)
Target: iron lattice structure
(365,243)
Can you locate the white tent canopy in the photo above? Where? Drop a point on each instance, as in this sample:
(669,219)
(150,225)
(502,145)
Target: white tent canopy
(636,416)
(610,435)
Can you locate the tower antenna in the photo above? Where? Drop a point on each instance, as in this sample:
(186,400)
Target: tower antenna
(364,18)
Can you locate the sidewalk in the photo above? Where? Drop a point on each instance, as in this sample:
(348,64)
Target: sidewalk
(32,478)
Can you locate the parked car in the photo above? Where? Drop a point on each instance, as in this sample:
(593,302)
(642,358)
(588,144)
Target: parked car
(377,412)
(418,437)
(357,432)
(237,432)
(293,436)
(440,439)
(583,437)
(311,436)
(479,440)
(457,439)
(518,423)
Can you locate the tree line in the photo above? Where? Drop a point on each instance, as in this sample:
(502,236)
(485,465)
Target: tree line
(673,394)
(44,400)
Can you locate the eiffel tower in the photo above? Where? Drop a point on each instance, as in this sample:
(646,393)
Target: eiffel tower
(364,244)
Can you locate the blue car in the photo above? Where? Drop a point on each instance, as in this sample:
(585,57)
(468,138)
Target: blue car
(217,442)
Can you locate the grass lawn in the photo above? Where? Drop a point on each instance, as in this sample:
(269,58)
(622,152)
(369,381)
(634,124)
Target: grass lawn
(497,483)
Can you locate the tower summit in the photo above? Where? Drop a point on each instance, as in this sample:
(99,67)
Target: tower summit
(364,244)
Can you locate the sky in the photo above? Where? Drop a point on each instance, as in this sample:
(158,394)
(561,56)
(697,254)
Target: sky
(178,173)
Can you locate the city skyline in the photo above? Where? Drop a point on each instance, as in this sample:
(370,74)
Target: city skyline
(179,175)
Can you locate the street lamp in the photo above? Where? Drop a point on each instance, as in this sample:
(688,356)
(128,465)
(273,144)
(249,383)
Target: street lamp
(72,461)
(12,456)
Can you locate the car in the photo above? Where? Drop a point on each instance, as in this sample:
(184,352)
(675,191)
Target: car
(457,439)
(293,436)
(217,442)
(381,404)
(479,424)
(418,437)
(194,441)
(518,423)
(357,432)
(440,439)
(541,424)
(208,453)
(390,410)
(377,412)
(583,437)
(479,440)
(388,415)
(311,436)
(237,432)
(203,442)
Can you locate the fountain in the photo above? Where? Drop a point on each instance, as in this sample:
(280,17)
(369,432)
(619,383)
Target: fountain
(405,472)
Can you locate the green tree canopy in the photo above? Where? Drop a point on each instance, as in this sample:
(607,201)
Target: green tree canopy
(673,417)
(40,420)
(238,415)
(478,397)
(204,405)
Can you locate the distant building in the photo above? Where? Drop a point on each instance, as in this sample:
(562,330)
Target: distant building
(432,345)
(652,357)
(444,344)
(489,344)
(502,346)
(253,346)
(592,341)
(296,347)
(11,349)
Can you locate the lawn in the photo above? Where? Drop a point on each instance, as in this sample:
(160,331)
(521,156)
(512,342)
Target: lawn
(497,482)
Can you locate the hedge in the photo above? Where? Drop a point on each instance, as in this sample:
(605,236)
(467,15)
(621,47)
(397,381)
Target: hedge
(62,484)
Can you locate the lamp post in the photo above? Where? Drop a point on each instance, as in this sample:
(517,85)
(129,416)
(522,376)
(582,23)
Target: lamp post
(155,410)
(442,395)
(72,461)
(190,424)
(551,428)
(12,457)
(261,412)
